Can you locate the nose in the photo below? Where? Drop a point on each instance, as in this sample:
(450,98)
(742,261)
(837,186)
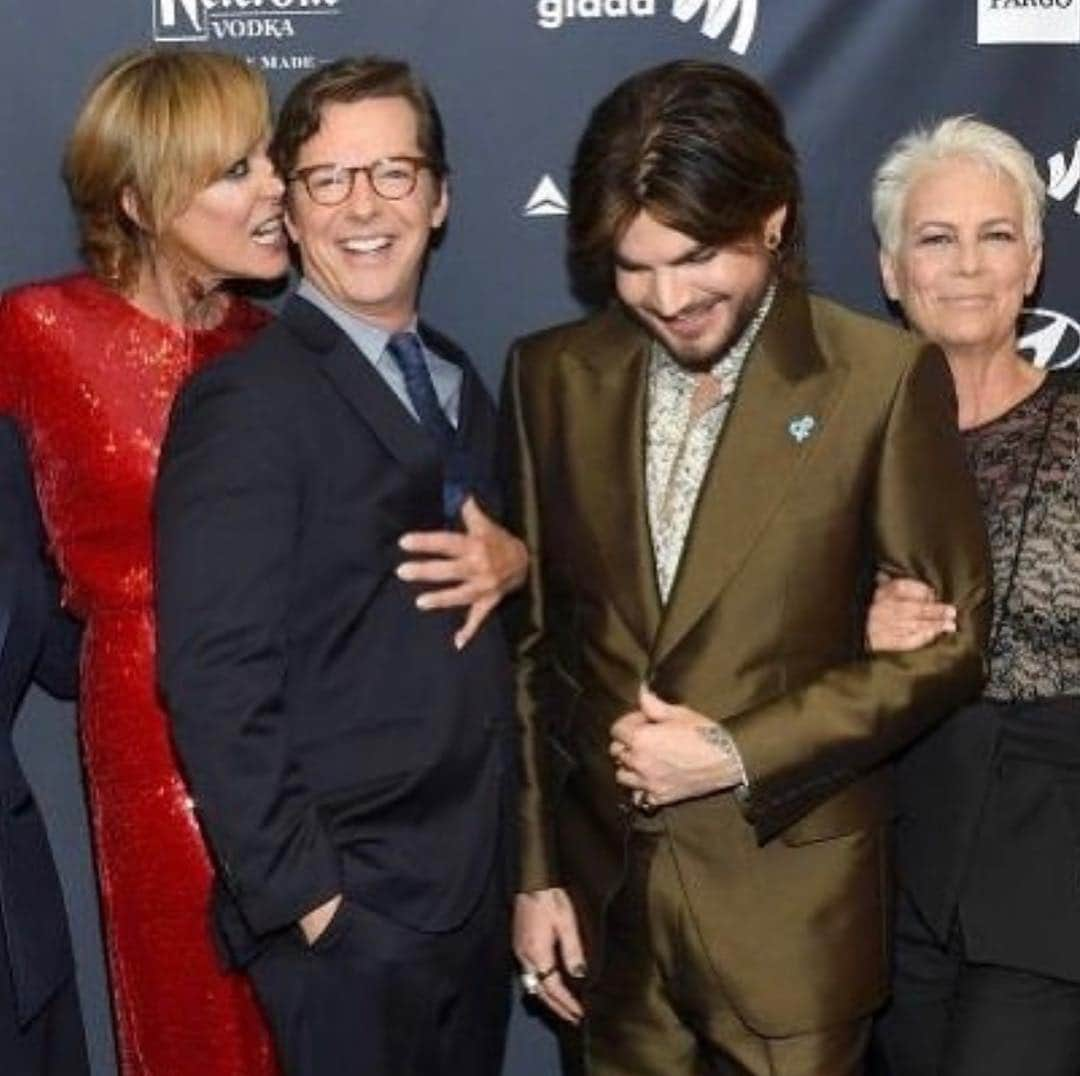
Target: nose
(274,185)
(668,295)
(968,257)
(362,198)
(270,183)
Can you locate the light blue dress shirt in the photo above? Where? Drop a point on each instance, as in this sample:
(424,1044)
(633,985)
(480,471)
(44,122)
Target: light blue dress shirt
(371,342)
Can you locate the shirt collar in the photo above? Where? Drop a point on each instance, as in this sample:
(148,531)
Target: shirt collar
(370,339)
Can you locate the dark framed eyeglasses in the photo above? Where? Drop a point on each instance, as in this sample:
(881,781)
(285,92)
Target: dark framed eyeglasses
(391,178)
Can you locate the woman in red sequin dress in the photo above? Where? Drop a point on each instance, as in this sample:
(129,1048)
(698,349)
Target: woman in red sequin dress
(174,194)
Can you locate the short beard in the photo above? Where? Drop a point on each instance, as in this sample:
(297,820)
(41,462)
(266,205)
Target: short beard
(744,315)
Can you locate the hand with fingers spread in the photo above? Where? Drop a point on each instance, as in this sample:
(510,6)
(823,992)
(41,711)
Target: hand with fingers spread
(479,568)
(547,944)
(666,753)
(906,615)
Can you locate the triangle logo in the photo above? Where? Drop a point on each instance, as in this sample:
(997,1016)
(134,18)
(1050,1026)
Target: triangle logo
(546,201)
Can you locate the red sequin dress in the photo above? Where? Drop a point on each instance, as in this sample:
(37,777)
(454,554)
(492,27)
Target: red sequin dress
(90,379)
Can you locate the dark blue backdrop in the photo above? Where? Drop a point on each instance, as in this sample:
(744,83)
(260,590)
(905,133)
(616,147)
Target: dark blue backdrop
(516,79)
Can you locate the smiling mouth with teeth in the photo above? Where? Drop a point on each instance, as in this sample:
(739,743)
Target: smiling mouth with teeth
(366,246)
(270,231)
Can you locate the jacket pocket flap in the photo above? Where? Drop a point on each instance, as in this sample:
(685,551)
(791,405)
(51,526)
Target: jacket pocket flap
(860,806)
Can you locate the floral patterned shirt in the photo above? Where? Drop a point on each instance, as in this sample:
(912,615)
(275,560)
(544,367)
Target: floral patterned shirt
(679,446)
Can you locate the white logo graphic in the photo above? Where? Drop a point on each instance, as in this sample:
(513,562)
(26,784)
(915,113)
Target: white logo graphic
(179,20)
(1030,22)
(719,14)
(716,15)
(217,20)
(1064,178)
(547,200)
(1051,338)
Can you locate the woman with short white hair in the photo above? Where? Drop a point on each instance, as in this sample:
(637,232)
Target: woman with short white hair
(987,944)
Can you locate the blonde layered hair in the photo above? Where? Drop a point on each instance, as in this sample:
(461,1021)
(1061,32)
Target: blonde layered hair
(157,127)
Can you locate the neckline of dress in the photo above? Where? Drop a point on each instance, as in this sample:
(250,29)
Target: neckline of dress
(180,331)
(1015,406)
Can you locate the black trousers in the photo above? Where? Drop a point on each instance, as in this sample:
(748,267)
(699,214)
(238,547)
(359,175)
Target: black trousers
(951,1017)
(52,1043)
(374,998)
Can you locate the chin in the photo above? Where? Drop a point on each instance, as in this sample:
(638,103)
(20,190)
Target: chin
(699,352)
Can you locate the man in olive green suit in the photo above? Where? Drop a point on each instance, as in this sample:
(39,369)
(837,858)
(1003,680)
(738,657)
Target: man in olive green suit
(708,474)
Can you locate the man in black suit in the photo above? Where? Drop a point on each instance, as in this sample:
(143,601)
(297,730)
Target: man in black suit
(350,759)
(41,1032)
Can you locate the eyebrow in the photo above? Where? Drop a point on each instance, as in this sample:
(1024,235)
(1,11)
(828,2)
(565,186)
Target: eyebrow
(992,222)
(687,256)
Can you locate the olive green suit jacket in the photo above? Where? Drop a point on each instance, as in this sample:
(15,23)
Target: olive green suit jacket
(789,885)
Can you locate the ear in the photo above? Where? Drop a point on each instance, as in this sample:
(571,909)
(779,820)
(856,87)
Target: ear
(441,207)
(129,203)
(887,265)
(775,221)
(1034,269)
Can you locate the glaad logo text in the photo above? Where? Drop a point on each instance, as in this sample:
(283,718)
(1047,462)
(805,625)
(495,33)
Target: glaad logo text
(716,15)
(551,14)
(205,20)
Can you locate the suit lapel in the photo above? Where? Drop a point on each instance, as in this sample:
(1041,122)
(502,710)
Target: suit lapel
(610,447)
(359,383)
(762,447)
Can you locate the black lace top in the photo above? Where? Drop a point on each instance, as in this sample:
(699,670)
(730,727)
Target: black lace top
(1035,648)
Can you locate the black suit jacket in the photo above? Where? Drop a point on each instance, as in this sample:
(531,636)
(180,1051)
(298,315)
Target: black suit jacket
(37,641)
(989,829)
(333,736)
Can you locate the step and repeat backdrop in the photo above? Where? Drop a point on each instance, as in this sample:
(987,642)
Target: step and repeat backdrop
(516,80)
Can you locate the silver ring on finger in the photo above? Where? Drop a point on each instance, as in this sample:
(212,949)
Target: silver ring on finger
(530,983)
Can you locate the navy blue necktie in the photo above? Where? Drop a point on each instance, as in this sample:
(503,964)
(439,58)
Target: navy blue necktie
(407,351)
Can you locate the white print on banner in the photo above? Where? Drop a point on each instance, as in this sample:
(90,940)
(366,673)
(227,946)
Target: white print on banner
(1029,22)
(551,14)
(235,20)
(716,15)
(1052,339)
(546,201)
(1064,178)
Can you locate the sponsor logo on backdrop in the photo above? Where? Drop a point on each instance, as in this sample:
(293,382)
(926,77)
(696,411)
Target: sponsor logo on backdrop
(554,14)
(713,17)
(266,22)
(718,15)
(1029,22)
(546,200)
(1050,338)
(1064,177)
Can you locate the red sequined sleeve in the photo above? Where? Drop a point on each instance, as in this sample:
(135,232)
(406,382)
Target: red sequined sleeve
(11,358)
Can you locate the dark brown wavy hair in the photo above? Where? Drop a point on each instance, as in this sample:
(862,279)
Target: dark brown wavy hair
(700,146)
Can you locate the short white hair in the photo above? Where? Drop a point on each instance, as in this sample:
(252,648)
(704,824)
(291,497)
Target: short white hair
(955,137)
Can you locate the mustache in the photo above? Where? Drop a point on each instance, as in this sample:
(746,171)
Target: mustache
(693,309)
